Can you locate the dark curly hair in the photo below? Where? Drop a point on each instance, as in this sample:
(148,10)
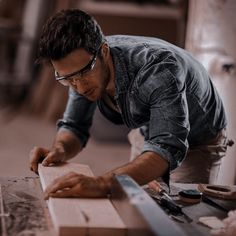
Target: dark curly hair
(66,31)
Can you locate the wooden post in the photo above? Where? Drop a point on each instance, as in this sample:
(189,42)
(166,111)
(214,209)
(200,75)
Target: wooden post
(211,37)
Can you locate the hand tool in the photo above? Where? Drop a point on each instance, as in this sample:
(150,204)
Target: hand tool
(167,202)
(194,196)
(139,211)
(173,207)
(190,196)
(218,191)
(210,202)
(157,198)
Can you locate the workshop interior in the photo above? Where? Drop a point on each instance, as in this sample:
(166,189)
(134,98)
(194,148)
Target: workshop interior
(31,102)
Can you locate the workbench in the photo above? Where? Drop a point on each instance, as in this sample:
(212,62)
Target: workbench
(201,209)
(23,199)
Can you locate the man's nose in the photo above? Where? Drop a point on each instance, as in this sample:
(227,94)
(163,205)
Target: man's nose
(81,89)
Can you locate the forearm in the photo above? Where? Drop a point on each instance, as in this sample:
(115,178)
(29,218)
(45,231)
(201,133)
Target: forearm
(143,169)
(67,142)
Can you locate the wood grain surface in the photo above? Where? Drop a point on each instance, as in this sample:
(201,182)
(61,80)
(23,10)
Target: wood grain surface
(80,216)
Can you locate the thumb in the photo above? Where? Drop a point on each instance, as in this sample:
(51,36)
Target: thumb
(50,158)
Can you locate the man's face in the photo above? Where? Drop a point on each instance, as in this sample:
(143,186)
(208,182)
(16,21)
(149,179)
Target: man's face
(90,84)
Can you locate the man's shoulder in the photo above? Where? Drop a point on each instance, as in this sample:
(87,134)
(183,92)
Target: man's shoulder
(115,40)
(135,44)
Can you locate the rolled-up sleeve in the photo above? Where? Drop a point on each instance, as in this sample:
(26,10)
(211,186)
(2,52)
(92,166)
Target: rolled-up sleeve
(78,116)
(168,126)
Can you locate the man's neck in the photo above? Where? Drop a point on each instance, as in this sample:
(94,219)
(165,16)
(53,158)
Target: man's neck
(111,85)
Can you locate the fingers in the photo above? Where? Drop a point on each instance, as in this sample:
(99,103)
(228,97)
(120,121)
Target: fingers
(45,156)
(37,154)
(61,186)
(76,185)
(62,194)
(51,157)
(154,185)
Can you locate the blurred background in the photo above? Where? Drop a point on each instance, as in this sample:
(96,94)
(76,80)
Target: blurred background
(31,101)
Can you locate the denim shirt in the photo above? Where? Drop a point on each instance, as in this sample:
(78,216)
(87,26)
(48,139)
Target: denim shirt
(161,89)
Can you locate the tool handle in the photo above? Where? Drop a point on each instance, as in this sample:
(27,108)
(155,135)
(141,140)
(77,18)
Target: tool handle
(212,203)
(174,208)
(170,205)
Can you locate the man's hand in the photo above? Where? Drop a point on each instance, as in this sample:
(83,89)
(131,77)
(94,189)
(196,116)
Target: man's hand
(77,185)
(66,145)
(47,157)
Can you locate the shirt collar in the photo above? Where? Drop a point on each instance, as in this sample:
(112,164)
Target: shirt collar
(121,72)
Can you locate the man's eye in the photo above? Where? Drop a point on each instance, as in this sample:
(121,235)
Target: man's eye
(84,72)
(71,79)
(78,76)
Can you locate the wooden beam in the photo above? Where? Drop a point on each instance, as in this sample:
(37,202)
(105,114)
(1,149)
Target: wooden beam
(80,216)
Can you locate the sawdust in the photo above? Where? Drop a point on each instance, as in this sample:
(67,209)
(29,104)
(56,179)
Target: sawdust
(27,215)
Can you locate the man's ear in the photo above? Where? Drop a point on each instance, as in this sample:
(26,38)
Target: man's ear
(105,51)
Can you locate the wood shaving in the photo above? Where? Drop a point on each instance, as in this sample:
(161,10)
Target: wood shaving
(229,226)
(212,222)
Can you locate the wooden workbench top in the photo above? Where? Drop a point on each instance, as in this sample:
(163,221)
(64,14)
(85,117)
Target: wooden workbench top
(28,211)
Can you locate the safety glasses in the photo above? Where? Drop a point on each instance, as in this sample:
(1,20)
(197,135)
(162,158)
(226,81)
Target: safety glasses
(66,80)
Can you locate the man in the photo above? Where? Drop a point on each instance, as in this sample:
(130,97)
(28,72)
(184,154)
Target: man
(145,83)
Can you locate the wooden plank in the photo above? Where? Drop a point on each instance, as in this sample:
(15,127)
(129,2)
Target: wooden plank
(80,216)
